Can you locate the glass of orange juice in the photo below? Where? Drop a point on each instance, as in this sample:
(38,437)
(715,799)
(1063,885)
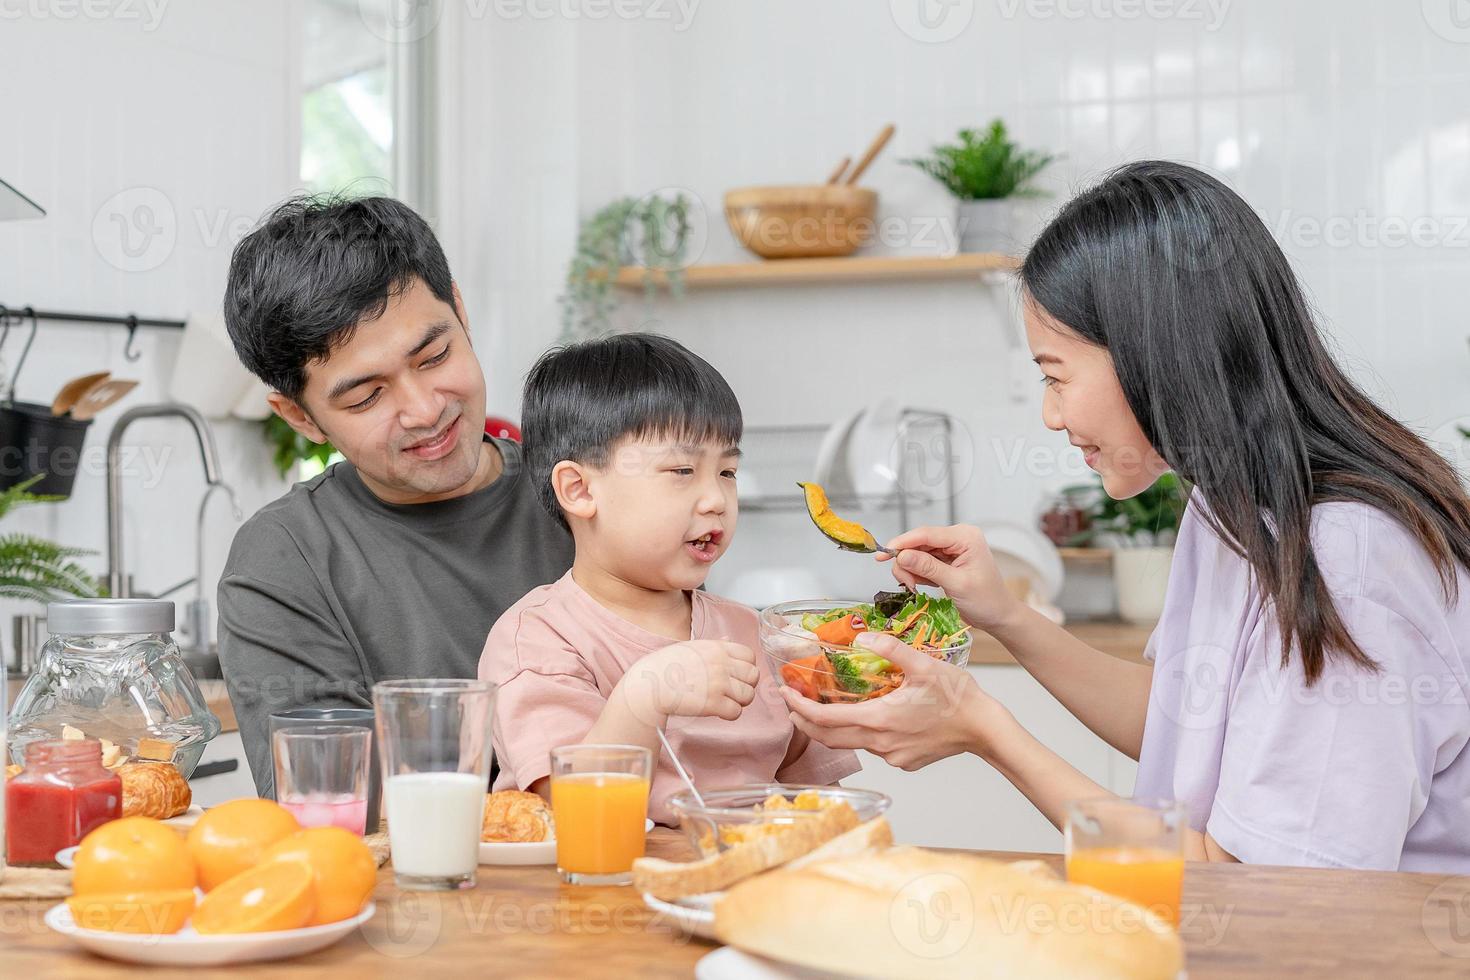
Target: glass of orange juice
(1133,849)
(599,800)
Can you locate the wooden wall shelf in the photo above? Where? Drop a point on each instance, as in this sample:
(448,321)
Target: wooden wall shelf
(774,272)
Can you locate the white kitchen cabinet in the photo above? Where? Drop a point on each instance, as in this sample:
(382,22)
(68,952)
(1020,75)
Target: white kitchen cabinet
(962,802)
(214,790)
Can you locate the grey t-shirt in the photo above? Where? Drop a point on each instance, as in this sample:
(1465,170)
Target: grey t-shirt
(329,590)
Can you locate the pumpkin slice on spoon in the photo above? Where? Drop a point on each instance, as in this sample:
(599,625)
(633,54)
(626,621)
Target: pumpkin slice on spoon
(849,535)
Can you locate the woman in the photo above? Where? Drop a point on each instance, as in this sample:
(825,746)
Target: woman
(1307,699)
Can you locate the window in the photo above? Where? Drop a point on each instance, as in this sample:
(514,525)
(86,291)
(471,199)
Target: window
(367,102)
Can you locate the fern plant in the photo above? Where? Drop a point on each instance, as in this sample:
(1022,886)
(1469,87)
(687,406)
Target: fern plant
(651,231)
(985,166)
(34,568)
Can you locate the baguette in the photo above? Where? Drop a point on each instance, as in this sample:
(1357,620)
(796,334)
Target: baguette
(670,880)
(909,912)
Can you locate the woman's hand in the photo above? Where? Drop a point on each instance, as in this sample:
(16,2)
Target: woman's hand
(957,560)
(937,712)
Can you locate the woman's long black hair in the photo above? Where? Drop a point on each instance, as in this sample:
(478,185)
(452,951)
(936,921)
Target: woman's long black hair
(1220,359)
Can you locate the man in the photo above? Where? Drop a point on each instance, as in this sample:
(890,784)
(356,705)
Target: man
(397,562)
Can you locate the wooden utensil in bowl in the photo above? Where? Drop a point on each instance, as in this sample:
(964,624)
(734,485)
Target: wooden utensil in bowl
(803,220)
(874,148)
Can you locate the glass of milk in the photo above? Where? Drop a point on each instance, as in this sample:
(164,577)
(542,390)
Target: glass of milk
(434,743)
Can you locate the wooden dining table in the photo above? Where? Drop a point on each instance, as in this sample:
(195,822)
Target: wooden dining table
(1236,921)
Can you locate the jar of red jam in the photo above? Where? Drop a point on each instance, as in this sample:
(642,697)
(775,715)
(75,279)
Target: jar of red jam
(62,794)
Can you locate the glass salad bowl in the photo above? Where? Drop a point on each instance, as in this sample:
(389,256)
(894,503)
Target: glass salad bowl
(745,813)
(809,643)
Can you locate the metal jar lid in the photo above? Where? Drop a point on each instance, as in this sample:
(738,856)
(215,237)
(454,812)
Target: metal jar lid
(81,617)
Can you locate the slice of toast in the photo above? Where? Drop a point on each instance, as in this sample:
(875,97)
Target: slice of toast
(669,880)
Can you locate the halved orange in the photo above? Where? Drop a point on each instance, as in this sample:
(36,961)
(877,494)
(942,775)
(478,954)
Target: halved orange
(346,870)
(131,856)
(154,913)
(266,898)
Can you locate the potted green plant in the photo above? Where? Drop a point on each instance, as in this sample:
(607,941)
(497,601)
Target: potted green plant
(985,170)
(289,447)
(651,231)
(33,568)
(1140,531)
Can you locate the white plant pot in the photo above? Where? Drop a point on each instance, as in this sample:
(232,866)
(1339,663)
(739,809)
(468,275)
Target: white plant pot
(1141,576)
(988,226)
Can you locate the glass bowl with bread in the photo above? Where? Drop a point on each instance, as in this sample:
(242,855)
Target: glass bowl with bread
(810,642)
(746,813)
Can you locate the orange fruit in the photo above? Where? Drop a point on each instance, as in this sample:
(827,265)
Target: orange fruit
(154,913)
(231,837)
(132,855)
(266,898)
(346,870)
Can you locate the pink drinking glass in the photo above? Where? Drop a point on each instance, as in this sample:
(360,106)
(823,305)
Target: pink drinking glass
(322,774)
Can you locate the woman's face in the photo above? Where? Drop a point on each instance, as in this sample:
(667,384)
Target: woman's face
(1084,399)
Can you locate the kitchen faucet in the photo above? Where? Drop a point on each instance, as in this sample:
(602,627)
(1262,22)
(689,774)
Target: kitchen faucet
(119,584)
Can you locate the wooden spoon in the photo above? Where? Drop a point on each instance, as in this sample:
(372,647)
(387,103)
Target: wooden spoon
(874,148)
(100,397)
(837,174)
(73,390)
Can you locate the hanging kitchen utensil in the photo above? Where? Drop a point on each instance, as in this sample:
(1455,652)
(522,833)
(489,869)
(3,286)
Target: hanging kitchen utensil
(100,397)
(73,390)
(874,148)
(9,394)
(837,174)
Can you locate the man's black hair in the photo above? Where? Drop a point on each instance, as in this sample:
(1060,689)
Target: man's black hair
(581,399)
(303,280)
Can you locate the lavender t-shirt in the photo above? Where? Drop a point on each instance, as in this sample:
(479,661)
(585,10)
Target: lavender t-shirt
(1362,770)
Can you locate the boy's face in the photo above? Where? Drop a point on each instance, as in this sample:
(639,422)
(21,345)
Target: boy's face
(403,400)
(659,514)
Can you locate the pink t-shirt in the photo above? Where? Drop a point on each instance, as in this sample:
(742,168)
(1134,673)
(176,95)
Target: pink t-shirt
(556,656)
(1361,770)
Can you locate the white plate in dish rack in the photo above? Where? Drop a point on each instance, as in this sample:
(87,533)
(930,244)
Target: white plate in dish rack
(526,854)
(187,948)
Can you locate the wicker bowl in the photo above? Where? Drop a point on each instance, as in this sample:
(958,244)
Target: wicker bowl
(802,221)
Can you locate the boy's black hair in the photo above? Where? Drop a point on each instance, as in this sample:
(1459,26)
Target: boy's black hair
(316,267)
(581,399)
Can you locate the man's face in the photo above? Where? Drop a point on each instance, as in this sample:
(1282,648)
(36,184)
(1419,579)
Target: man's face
(403,400)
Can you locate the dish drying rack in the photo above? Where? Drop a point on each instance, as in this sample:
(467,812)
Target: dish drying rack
(783,455)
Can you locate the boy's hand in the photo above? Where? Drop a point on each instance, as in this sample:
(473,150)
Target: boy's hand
(697,678)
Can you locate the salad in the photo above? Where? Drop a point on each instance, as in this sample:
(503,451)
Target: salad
(839,672)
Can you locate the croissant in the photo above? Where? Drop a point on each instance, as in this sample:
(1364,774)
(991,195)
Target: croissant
(153,789)
(514,816)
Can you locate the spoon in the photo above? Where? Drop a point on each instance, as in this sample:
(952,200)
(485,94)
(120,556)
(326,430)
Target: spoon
(684,775)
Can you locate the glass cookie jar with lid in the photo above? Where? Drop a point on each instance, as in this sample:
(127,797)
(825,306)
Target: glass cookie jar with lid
(110,670)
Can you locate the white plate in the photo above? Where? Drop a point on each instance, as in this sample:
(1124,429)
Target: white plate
(694,914)
(188,948)
(523,854)
(186,819)
(67,856)
(729,963)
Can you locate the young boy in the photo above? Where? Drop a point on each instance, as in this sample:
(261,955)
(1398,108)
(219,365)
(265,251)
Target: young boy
(632,442)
